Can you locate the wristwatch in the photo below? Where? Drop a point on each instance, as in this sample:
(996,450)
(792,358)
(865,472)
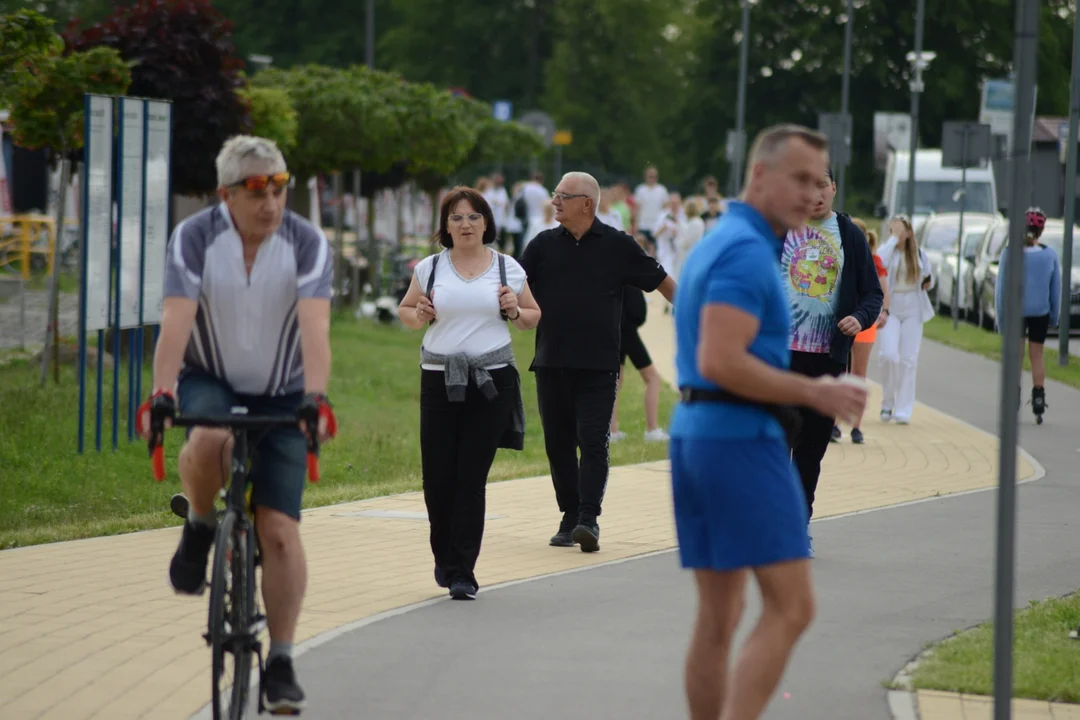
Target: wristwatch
(515,318)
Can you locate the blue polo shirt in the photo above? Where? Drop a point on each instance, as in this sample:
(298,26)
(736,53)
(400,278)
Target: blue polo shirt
(737,263)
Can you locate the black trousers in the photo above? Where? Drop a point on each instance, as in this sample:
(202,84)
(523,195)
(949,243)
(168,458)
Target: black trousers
(458,441)
(816,431)
(575,410)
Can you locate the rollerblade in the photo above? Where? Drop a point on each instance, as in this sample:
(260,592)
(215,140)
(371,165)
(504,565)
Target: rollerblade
(1038,403)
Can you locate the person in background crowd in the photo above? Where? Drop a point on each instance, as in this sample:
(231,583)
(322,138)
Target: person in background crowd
(909,279)
(634,313)
(834,292)
(605,213)
(650,199)
(545,221)
(515,220)
(1041,304)
(577,272)
(670,224)
(712,212)
(864,341)
(621,202)
(738,505)
(689,235)
(499,200)
(470,390)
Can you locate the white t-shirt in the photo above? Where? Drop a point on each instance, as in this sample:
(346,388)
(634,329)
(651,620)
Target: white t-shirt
(499,201)
(650,202)
(610,218)
(467,311)
(536,196)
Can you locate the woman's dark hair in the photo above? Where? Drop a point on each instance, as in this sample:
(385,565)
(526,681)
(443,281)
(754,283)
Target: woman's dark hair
(478,203)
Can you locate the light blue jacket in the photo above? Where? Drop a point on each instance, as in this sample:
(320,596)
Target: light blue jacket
(1042,284)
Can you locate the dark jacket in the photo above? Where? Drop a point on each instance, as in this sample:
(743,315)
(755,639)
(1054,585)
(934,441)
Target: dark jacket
(860,288)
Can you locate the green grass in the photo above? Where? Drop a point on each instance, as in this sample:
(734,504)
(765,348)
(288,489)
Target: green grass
(48,492)
(1046,661)
(988,344)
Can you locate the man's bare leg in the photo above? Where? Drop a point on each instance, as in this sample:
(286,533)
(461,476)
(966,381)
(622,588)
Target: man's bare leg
(653,382)
(721,598)
(788,608)
(203,465)
(284,576)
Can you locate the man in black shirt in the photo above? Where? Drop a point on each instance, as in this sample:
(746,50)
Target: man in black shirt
(577,272)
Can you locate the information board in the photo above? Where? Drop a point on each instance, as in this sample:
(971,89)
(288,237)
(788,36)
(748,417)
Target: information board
(158,140)
(98,211)
(132,156)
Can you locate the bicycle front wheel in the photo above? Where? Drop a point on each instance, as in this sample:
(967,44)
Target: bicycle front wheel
(232,599)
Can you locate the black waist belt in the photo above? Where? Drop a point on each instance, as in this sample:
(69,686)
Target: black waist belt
(787,415)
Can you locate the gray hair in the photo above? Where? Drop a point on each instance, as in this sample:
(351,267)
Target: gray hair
(771,141)
(592,187)
(240,152)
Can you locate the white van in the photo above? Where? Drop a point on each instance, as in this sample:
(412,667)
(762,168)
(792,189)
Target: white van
(936,188)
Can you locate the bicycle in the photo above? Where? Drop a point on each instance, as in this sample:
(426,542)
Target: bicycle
(235,621)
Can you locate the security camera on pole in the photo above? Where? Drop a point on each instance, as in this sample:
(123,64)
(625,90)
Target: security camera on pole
(919,61)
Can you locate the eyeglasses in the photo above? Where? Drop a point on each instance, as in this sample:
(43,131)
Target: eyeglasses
(260,182)
(566,196)
(473,218)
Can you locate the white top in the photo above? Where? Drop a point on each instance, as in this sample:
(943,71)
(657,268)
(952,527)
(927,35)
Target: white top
(536,196)
(610,218)
(650,202)
(499,201)
(467,311)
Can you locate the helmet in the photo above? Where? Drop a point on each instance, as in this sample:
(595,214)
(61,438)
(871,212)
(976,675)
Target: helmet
(1036,219)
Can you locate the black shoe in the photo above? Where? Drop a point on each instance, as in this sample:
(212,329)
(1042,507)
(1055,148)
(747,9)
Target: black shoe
(836,434)
(281,693)
(187,571)
(587,535)
(462,590)
(565,536)
(857,436)
(440,577)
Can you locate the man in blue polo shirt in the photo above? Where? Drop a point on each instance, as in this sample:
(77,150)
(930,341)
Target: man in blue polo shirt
(739,505)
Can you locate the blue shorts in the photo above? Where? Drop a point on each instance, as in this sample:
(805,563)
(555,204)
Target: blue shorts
(279,456)
(738,503)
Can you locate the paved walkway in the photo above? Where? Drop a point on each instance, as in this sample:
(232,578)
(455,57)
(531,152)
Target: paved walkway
(90,628)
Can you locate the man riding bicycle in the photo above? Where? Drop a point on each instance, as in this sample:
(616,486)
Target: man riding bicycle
(246,322)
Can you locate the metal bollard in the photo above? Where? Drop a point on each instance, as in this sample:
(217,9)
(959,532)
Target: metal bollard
(22,314)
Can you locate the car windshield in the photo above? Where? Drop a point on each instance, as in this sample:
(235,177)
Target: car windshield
(971,241)
(937,197)
(940,236)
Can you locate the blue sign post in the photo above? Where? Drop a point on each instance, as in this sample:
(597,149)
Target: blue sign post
(122,282)
(502,110)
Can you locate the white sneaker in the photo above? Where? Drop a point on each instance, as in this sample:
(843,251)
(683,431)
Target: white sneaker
(902,420)
(886,415)
(617,436)
(657,435)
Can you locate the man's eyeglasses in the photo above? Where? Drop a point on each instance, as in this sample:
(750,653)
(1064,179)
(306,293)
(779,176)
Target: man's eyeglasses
(261,182)
(566,196)
(473,218)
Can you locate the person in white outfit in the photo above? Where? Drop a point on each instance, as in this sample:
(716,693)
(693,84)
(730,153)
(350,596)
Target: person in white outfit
(650,199)
(689,234)
(909,308)
(668,228)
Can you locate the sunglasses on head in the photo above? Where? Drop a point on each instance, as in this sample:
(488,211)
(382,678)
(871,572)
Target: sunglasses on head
(260,182)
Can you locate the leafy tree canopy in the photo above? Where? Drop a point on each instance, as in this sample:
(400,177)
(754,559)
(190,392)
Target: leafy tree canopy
(272,115)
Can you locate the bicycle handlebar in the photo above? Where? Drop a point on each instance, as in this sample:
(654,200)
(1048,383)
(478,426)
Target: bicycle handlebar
(250,422)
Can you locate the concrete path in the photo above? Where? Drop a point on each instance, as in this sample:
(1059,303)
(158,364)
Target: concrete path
(90,628)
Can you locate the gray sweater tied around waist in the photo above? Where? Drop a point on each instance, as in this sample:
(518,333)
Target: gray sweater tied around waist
(457,369)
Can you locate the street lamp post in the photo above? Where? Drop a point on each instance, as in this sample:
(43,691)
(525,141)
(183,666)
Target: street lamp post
(919,62)
(740,104)
(1070,196)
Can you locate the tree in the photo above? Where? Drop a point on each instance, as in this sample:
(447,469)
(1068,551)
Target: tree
(272,115)
(184,53)
(26,38)
(613,81)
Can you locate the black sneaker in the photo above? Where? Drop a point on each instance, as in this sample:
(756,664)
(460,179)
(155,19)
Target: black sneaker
(836,434)
(440,577)
(857,436)
(565,536)
(282,695)
(462,590)
(187,571)
(587,535)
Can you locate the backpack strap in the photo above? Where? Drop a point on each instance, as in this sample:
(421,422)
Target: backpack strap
(502,280)
(431,281)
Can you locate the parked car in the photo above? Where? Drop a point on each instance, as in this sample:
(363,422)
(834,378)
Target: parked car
(973,235)
(938,237)
(986,262)
(1053,237)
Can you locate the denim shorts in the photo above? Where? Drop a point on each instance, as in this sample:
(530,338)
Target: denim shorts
(278,456)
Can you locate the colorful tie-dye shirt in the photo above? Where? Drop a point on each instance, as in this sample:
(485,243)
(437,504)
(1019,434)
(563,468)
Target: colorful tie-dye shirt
(811,266)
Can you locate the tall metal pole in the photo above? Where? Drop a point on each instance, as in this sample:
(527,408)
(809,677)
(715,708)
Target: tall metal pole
(1024,61)
(1070,197)
(369,35)
(740,104)
(916,91)
(960,237)
(845,93)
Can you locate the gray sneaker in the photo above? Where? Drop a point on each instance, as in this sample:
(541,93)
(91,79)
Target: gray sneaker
(565,536)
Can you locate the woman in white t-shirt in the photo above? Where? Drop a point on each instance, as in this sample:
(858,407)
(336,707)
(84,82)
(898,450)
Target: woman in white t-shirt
(470,390)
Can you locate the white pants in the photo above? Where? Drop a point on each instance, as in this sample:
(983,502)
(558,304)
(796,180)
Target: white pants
(898,351)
